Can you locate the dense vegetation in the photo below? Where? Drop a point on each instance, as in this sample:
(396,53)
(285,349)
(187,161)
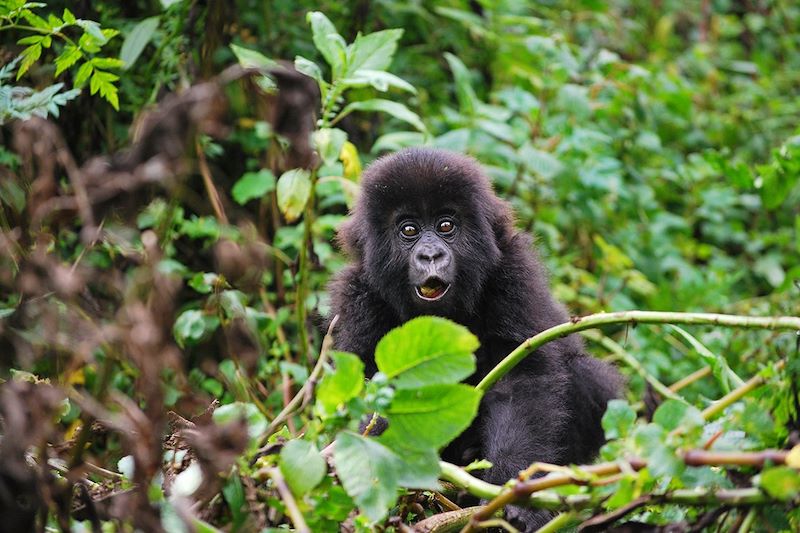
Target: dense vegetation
(167,233)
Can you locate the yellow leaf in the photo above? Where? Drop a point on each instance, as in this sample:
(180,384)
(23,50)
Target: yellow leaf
(793,457)
(349,157)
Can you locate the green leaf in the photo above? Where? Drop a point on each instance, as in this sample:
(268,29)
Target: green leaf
(618,419)
(719,366)
(379,80)
(68,17)
(343,384)
(309,68)
(674,413)
(467,99)
(92,28)
(395,109)
(137,39)
(302,466)
(67,58)
(429,417)
(193,326)
(83,74)
(782,482)
(368,472)
(253,185)
(426,351)
(29,57)
(253,59)
(328,41)
(650,442)
(372,52)
(329,142)
(203,282)
(233,412)
(294,189)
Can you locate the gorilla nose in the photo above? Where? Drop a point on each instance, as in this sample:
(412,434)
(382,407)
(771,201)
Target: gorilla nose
(429,254)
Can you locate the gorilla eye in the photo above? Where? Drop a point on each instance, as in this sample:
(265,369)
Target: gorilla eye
(409,230)
(445,226)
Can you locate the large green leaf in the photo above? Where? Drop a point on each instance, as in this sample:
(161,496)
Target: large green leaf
(328,41)
(368,472)
(618,419)
(395,109)
(430,417)
(137,39)
(467,99)
(302,466)
(294,189)
(372,52)
(253,185)
(426,351)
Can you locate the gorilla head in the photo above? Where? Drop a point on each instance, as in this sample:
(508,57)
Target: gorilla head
(426,228)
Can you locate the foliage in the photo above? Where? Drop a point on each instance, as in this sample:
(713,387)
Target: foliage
(653,153)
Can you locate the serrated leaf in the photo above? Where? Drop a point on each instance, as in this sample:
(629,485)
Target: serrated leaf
(253,185)
(294,189)
(427,351)
(395,109)
(368,472)
(68,57)
(328,41)
(430,417)
(344,383)
(137,39)
(302,466)
(68,17)
(29,57)
(83,74)
(372,52)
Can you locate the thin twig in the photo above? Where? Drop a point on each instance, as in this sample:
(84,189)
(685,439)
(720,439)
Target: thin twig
(213,194)
(307,389)
(691,378)
(288,500)
(737,394)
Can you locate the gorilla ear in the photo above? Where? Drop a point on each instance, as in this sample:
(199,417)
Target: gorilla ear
(351,237)
(501,219)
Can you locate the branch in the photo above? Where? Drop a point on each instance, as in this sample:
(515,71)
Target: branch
(305,392)
(630,317)
(291,505)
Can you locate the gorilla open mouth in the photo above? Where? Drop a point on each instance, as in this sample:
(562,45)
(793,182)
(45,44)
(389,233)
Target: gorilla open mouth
(432,289)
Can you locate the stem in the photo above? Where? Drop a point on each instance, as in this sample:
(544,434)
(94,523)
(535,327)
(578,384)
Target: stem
(614,347)
(306,390)
(628,317)
(558,522)
(291,505)
(737,394)
(302,281)
(691,378)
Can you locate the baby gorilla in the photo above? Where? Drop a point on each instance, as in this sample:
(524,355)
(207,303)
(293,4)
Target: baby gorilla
(429,237)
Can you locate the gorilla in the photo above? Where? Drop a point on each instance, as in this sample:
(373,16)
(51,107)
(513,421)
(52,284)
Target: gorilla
(428,236)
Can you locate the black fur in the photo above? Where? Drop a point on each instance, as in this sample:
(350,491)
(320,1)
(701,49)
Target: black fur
(549,407)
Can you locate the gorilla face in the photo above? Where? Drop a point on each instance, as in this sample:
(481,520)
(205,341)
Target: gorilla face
(424,229)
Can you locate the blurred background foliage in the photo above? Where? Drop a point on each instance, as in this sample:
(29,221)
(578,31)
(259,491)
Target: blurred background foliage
(652,149)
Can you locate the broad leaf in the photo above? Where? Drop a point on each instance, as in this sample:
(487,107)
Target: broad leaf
(368,472)
(372,52)
(302,466)
(328,41)
(253,185)
(344,383)
(137,39)
(430,417)
(397,110)
(294,189)
(674,413)
(618,419)
(427,351)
